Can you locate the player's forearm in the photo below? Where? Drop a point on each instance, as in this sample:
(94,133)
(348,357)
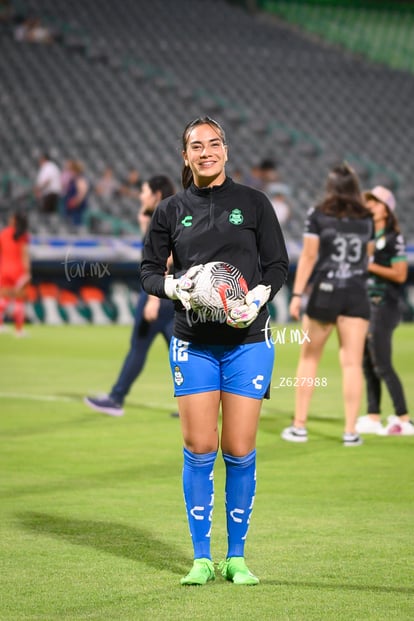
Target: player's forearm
(153,283)
(396,272)
(303,273)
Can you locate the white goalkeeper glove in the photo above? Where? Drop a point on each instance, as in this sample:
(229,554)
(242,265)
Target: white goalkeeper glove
(244,315)
(180,288)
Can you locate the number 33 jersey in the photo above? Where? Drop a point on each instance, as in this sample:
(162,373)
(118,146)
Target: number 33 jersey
(342,246)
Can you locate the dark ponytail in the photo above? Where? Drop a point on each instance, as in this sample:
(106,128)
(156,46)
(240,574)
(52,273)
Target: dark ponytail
(20,224)
(391,222)
(343,196)
(186,176)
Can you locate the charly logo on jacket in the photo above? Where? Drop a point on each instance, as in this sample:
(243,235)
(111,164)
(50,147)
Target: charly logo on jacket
(236,217)
(187,221)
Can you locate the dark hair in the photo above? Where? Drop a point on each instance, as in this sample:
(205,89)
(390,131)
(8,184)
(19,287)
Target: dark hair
(186,173)
(268,164)
(343,196)
(391,222)
(161,183)
(20,224)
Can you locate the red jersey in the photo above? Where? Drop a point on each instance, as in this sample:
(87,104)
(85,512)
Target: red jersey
(11,254)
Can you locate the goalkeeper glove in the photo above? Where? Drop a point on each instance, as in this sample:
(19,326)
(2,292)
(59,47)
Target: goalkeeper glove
(180,288)
(244,315)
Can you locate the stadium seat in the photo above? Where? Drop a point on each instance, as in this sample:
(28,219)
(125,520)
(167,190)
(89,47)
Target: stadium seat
(117,97)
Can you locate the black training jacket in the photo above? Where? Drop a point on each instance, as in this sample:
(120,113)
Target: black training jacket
(232,223)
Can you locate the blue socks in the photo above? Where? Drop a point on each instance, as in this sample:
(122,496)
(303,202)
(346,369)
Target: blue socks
(198,486)
(240,494)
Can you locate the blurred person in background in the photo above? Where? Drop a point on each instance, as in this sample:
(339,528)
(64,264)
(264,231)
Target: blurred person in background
(33,31)
(7,11)
(153,316)
(387,272)
(261,174)
(268,172)
(131,186)
(15,272)
(48,185)
(107,185)
(337,241)
(278,194)
(66,176)
(76,197)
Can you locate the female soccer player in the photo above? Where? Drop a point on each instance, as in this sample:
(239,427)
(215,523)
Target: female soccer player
(216,363)
(388,271)
(152,315)
(337,239)
(14,268)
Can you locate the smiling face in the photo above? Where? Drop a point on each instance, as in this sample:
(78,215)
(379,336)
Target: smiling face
(206,155)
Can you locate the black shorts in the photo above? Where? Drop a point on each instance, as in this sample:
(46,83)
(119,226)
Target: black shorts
(50,203)
(326,302)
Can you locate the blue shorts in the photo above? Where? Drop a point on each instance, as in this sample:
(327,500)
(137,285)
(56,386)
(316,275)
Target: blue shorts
(242,370)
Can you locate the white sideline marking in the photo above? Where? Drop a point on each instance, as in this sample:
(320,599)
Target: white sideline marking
(158,406)
(22,395)
(32,397)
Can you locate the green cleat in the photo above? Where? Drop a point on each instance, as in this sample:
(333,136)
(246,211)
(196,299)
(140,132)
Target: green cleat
(236,570)
(201,572)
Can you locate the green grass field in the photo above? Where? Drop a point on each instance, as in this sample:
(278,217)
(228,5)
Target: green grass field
(92,516)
